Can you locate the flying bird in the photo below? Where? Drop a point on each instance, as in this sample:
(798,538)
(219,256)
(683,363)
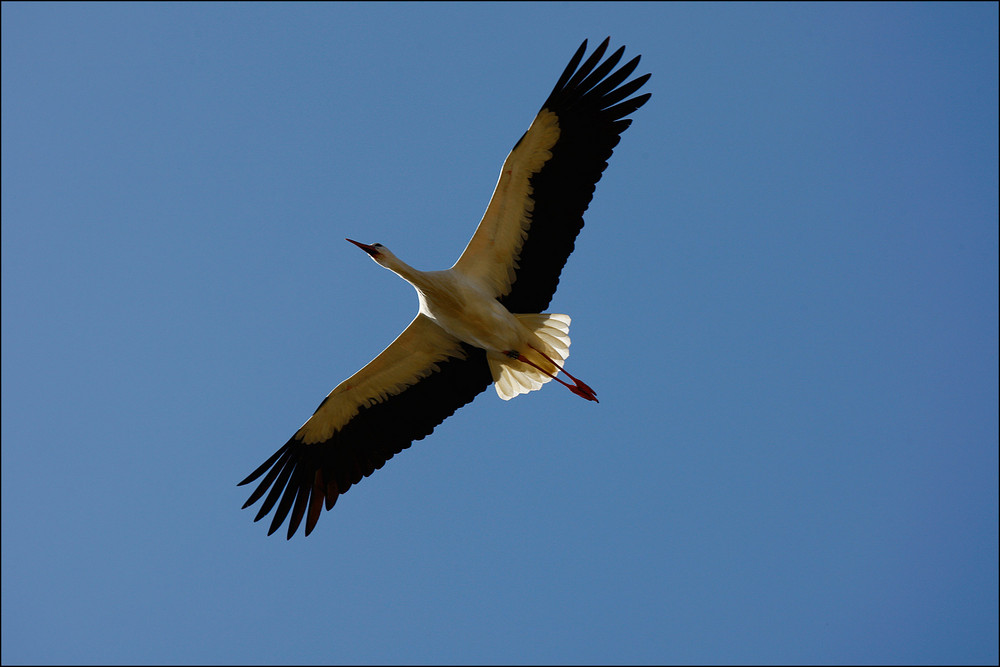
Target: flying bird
(480,322)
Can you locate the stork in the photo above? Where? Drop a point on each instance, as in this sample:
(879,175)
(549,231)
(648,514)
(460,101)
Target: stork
(479,322)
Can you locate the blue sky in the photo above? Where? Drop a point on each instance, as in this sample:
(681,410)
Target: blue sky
(785,295)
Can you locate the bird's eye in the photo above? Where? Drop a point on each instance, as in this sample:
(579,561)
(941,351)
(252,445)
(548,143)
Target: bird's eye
(377,245)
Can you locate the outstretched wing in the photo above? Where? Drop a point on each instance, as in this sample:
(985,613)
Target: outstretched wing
(548,180)
(398,397)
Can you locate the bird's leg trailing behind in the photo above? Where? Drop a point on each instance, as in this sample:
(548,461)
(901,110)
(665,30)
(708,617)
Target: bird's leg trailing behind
(579,387)
(536,358)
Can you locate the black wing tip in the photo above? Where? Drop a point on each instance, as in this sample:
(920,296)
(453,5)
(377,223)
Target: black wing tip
(265,466)
(575,73)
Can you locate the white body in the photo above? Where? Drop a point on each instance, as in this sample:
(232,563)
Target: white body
(467,310)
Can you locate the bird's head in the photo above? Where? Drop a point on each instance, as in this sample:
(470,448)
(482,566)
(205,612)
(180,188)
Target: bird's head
(376,251)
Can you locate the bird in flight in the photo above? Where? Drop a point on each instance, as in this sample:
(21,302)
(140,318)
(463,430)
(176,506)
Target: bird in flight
(481,321)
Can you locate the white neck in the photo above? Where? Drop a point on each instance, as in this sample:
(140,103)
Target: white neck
(405,271)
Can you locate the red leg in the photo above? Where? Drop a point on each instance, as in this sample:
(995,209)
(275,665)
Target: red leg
(579,388)
(579,383)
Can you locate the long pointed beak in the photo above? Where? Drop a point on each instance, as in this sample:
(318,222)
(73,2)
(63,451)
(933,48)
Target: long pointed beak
(370,249)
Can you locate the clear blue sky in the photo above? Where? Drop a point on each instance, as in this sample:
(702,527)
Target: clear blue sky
(785,295)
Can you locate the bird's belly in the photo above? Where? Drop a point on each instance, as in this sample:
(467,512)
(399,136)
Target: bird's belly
(483,323)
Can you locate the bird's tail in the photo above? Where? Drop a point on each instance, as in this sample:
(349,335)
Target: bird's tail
(512,377)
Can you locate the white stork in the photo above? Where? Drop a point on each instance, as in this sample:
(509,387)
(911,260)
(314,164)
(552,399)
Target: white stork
(479,321)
